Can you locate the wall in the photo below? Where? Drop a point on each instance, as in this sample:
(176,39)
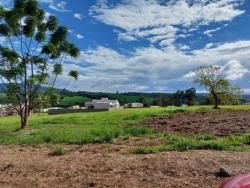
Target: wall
(67,111)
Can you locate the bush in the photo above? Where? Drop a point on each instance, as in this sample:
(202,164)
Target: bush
(247,139)
(143,150)
(58,151)
(179,110)
(205,137)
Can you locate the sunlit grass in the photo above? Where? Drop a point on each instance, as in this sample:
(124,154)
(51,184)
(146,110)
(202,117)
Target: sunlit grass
(83,128)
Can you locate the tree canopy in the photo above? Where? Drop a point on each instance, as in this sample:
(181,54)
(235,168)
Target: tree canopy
(34,53)
(211,78)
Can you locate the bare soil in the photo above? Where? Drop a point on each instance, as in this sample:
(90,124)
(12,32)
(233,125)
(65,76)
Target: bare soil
(107,166)
(218,123)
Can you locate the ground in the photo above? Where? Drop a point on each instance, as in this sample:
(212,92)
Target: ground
(218,123)
(163,147)
(107,166)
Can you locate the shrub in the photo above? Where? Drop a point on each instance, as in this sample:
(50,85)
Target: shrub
(205,137)
(58,151)
(247,139)
(143,150)
(179,110)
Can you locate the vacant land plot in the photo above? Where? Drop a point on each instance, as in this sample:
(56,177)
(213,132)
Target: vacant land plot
(104,149)
(107,166)
(218,123)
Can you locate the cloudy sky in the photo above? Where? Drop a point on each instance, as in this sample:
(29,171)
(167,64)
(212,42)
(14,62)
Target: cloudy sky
(154,45)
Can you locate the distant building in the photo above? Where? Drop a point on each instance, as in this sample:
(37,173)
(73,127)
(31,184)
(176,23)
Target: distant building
(75,107)
(134,105)
(7,110)
(102,104)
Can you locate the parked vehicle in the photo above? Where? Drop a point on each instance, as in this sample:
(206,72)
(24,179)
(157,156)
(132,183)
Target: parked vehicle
(241,181)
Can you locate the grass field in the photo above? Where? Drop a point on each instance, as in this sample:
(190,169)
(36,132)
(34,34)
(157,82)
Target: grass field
(104,127)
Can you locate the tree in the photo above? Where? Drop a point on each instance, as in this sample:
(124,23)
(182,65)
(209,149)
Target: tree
(42,101)
(178,98)
(33,44)
(230,97)
(162,101)
(190,95)
(143,100)
(213,81)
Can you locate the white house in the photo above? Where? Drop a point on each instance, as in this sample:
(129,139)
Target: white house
(102,104)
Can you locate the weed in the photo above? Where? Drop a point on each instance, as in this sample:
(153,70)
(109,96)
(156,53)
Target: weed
(58,151)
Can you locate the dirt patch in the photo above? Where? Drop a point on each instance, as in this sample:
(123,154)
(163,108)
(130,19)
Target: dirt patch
(218,123)
(106,166)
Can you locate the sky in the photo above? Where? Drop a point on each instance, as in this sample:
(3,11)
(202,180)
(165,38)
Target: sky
(153,45)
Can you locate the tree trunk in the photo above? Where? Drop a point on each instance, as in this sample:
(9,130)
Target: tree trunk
(24,121)
(216,101)
(25,116)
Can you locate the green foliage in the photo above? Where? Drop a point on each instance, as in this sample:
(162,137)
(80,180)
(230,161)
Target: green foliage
(190,96)
(58,151)
(219,88)
(144,150)
(72,101)
(74,74)
(59,35)
(178,98)
(52,23)
(54,96)
(246,139)
(58,69)
(41,101)
(230,97)
(24,67)
(143,100)
(180,143)
(137,131)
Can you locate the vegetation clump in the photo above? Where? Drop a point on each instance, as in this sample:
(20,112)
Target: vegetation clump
(58,151)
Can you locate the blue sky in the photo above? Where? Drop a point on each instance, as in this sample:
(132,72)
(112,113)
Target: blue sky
(154,45)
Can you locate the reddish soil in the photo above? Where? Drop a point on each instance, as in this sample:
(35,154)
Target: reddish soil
(106,166)
(219,123)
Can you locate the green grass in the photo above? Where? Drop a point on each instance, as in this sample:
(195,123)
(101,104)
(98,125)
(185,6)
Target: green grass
(201,142)
(104,127)
(82,128)
(58,151)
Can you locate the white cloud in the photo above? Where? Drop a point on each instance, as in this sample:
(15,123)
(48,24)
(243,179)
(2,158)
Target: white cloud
(184,47)
(160,22)
(234,70)
(209,45)
(59,6)
(153,70)
(78,16)
(79,36)
(209,32)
